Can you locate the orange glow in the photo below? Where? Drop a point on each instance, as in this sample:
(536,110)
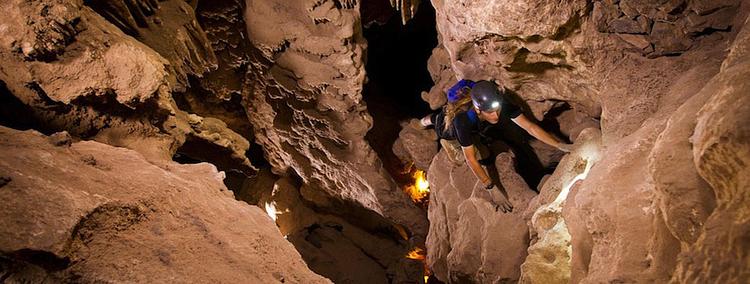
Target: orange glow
(419,254)
(420,190)
(416,254)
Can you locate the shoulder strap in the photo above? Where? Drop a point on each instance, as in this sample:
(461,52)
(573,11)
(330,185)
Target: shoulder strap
(472,115)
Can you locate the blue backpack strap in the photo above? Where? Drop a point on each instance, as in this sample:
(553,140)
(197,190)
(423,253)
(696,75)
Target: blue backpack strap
(472,115)
(453,94)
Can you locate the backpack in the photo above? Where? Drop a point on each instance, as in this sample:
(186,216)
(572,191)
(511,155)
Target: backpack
(454,95)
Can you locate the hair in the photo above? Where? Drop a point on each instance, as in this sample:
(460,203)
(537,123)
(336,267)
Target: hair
(458,106)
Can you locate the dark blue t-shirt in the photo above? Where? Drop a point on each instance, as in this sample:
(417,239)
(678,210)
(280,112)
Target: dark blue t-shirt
(466,127)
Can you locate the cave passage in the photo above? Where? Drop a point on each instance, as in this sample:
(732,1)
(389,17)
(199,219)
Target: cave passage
(397,72)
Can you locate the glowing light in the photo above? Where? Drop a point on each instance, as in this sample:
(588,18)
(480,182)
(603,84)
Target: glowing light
(495,105)
(416,254)
(564,192)
(421,187)
(271,210)
(419,254)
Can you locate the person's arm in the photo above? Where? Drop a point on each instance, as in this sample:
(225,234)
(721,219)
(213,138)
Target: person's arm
(476,168)
(539,133)
(496,197)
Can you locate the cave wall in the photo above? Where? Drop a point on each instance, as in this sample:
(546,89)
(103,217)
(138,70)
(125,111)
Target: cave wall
(195,81)
(662,84)
(127,74)
(307,109)
(73,70)
(651,76)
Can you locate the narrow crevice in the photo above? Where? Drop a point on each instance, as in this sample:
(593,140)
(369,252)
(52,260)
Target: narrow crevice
(396,65)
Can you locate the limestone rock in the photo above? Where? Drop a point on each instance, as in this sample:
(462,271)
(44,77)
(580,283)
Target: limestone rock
(344,252)
(103,84)
(96,213)
(99,58)
(169,28)
(522,18)
(549,259)
(468,239)
(439,65)
(224,25)
(684,197)
(416,145)
(721,155)
(307,109)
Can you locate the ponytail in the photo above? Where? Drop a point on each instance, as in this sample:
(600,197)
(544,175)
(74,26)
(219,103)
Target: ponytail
(462,104)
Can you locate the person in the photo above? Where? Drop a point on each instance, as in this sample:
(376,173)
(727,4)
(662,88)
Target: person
(463,123)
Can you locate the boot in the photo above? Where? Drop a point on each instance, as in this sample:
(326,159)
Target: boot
(453,150)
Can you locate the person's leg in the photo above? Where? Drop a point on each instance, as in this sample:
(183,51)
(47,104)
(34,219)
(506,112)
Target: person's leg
(424,122)
(427,120)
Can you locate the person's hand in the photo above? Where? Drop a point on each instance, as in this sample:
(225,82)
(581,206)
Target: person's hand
(500,201)
(567,148)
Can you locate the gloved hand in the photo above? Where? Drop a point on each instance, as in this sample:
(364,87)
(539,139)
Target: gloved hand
(567,148)
(499,200)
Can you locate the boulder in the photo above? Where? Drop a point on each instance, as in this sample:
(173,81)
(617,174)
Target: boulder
(90,212)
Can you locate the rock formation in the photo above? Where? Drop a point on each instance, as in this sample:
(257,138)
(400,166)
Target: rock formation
(649,209)
(307,106)
(106,98)
(97,213)
(192,80)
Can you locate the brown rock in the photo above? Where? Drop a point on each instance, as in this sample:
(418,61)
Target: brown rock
(704,7)
(637,41)
(719,20)
(169,28)
(61,139)
(549,259)
(469,240)
(225,29)
(419,146)
(720,152)
(520,18)
(331,246)
(671,6)
(123,219)
(305,104)
(110,68)
(626,26)
(684,197)
(669,39)
(603,13)
(439,65)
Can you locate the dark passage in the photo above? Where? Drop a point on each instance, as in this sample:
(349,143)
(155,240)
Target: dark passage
(397,71)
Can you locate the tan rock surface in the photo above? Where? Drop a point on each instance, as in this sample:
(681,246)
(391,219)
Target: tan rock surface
(469,241)
(307,109)
(86,76)
(369,251)
(96,213)
(644,203)
(550,253)
(721,154)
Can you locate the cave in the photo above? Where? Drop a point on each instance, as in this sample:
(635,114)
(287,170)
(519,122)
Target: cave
(270,141)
